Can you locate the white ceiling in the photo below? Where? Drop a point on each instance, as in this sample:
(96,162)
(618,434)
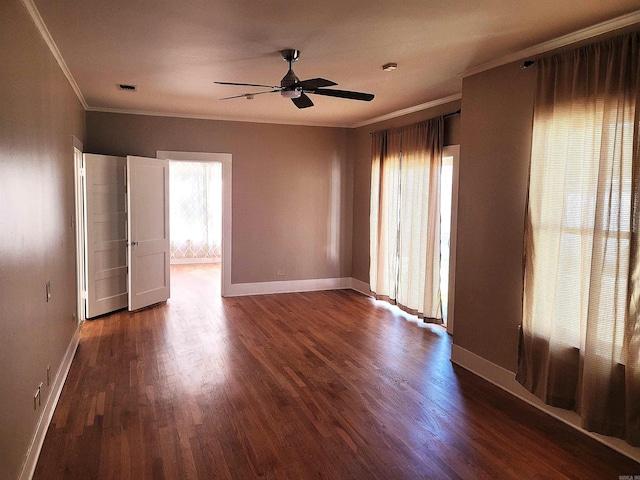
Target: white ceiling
(173,50)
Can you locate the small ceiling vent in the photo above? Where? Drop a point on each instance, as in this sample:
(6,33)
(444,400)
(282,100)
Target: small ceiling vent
(129,88)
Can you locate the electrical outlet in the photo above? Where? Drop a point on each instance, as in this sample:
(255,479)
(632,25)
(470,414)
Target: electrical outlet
(280,273)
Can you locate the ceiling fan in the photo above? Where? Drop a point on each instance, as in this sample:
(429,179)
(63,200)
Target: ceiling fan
(295,89)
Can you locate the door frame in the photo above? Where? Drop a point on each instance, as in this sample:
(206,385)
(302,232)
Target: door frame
(226,160)
(453,151)
(79,222)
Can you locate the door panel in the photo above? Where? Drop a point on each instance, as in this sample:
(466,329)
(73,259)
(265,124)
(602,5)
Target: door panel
(148,197)
(106,242)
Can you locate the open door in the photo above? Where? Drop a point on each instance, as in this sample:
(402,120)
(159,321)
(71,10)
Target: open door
(106,235)
(148,211)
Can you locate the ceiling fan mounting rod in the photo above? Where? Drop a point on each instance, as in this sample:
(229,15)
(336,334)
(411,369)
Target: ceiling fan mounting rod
(290,80)
(290,55)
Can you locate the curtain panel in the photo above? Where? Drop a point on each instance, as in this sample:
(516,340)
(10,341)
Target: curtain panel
(580,337)
(405,217)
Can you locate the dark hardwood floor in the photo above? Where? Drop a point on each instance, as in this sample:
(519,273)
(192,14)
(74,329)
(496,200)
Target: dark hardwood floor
(327,385)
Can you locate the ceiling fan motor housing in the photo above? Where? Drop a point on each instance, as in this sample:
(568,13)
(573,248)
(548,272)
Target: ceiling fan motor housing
(289,79)
(290,56)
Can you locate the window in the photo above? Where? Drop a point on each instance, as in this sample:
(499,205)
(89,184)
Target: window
(405,217)
(581,329)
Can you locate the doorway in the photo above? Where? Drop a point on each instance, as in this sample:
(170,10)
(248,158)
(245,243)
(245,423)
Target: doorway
(195,204)
(81,221)
(80,226)
(448,222)
(224,160)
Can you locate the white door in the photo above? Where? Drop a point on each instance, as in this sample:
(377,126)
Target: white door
(106,236)
(148,207)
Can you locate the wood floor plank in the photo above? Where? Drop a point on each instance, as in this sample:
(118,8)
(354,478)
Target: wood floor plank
(325,385)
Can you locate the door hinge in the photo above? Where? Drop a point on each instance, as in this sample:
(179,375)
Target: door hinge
(82,171)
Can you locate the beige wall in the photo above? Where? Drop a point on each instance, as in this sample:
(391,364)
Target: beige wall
(300,203)
(495,147)
(292,191)
(39,113)
(494,132)
(360,148)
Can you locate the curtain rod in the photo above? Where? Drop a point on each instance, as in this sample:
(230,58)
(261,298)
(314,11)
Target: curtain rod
(457,112)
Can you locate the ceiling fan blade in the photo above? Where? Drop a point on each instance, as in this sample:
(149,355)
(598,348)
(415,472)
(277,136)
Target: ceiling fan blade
(367,97)
(314,83)
(302,101)
(249,94)
(246,84)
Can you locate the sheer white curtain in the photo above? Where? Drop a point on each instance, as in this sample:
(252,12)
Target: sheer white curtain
(405,217)
(580,338)
(196,211)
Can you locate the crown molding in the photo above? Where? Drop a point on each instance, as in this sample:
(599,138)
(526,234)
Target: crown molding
(584,34)
(407,111)
(388,116)
(216,117)
(399,113)
(46,35)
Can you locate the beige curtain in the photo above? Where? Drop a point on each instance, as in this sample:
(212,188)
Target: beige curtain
(580,338)
(405,217)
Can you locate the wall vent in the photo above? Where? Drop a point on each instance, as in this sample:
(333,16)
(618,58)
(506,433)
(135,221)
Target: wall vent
(124,86)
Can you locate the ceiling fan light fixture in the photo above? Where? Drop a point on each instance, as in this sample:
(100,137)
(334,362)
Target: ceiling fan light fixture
(389,67)
(295,93)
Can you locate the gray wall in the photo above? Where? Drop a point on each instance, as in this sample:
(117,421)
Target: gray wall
(39,113)
(292,187)
(497,108)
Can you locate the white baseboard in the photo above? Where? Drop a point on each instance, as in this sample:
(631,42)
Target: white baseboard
(191,261)
(29,466)
(287,286)
(507,381)
(362,287)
